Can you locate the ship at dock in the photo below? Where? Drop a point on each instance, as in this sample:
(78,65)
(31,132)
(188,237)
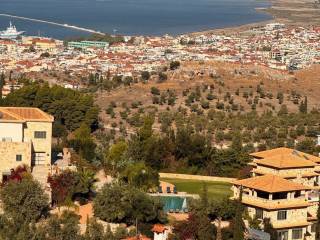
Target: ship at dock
(10,33)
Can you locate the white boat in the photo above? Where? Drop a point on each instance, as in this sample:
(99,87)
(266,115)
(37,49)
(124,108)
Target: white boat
(10,33)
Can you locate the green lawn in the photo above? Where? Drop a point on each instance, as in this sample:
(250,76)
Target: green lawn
(216,190)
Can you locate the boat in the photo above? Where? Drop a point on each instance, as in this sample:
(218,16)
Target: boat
(10,33)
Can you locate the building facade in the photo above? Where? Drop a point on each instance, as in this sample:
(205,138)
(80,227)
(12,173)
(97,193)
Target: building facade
(25,138)
(282,192)
(88,44)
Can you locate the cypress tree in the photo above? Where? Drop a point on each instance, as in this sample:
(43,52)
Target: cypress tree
(237,142)
(204,198)
(2,83)
(268,228)
(303,107)
(318,222)
(306,104)
(239,227)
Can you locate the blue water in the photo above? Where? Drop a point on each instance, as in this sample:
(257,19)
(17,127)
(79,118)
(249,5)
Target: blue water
(173,203)
(131,17)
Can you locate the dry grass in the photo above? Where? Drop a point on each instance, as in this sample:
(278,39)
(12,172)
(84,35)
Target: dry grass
(246,78)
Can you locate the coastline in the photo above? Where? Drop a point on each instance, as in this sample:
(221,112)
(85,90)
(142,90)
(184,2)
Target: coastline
(289,12)
(242,27)
(292,13)
(206,29)
(232,29)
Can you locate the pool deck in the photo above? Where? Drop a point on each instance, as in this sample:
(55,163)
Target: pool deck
(179,194)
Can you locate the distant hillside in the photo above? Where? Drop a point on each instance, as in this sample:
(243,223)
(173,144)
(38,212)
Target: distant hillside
(238,88)
(216,98)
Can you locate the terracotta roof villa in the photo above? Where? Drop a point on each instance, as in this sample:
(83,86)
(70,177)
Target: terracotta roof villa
(283,189)
(25,138)
(24,114)
(285,152)
(289,164)
(270,183)
(285,161)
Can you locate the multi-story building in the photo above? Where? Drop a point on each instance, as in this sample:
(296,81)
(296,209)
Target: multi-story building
(283,191)
(289,164)
(87,44)
(25,138)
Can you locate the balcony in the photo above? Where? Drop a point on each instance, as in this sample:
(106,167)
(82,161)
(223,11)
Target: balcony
(313,196)
(275,204)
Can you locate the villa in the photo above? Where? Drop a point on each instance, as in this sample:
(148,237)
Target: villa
(25,138)
(289,164)
(282,191)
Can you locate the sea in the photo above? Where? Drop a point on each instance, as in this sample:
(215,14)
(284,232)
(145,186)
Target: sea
(130,17)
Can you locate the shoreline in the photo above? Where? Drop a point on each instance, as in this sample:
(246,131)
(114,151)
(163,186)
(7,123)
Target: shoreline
(288,12)
(291,13)
(232,29)
(242,27)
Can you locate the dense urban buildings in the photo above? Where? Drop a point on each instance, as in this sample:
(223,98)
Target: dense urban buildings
(274,46)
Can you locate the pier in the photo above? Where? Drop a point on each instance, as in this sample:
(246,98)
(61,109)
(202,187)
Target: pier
(53,23)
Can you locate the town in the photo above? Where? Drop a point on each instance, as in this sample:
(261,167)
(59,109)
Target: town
(274,45)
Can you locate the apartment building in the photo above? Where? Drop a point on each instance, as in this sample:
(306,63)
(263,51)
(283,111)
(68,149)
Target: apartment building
(283,190)
(25,138)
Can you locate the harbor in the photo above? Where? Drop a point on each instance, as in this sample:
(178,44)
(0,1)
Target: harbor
(65,25)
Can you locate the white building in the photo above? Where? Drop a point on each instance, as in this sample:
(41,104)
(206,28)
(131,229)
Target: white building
(160,232)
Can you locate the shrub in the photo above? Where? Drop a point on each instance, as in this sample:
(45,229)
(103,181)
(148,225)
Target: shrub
(155,91)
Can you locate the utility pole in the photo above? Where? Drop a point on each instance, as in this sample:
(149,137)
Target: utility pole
(219,233)
(137,232)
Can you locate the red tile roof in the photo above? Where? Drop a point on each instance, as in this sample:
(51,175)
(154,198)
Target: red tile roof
(270,183)
(158,228)
(24,114)
(286,157)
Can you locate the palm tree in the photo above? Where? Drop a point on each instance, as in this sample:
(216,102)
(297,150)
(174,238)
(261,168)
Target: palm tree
(86,181)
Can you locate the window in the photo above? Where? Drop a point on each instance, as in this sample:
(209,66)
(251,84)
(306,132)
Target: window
(297,233)
(39,158)
(262,194)
(19,158)
(283,235)
(313,227)
(40,134)
(282,215)
(259,213)
(281,195)
(6,139)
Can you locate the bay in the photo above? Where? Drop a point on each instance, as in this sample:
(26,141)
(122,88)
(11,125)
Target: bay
(130,17)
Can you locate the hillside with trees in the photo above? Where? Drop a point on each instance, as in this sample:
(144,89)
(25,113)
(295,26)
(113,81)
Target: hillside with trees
(204,125)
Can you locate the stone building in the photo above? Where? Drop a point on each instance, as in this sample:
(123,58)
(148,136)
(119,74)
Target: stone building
(289,164)
(284,191)
(25,138)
